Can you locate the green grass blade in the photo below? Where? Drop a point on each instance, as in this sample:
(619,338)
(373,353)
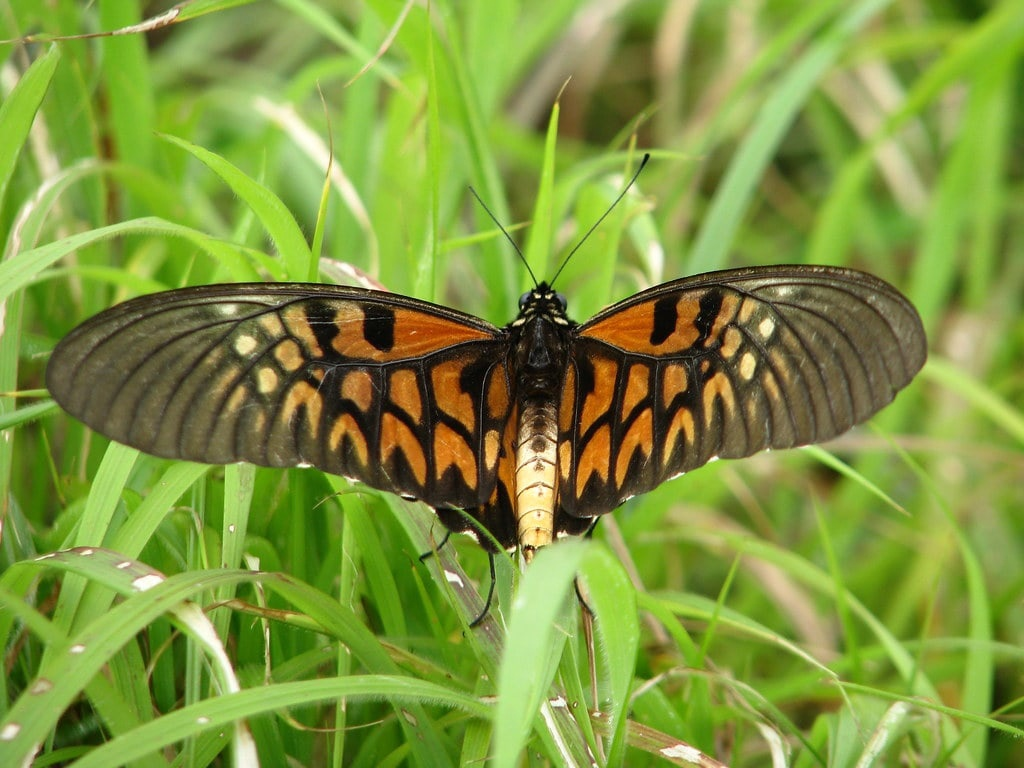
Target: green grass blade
(533,648)
(717,234)
(612,598)
(273,215)
(18,110)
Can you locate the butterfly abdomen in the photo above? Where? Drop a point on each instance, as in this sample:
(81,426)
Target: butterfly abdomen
(536,450)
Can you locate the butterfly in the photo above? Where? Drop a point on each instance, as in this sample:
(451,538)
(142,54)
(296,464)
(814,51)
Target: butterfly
(517,435)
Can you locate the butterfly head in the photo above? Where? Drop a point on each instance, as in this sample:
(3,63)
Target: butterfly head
(542,302)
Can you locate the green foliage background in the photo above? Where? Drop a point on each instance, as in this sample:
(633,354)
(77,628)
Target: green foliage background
(857,605)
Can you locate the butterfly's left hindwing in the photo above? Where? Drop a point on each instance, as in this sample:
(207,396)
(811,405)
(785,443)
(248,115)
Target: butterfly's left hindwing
(723,365)
(400,394)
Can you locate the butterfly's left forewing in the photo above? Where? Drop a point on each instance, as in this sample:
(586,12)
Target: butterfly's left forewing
(723,365)
(400,394)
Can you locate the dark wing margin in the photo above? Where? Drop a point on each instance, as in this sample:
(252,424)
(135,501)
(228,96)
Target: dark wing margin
(403,395)
(723,365)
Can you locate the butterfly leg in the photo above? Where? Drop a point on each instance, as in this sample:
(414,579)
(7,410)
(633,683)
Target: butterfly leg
(579,596)
(490,595)
(588,637)
(437,548)
(490,591)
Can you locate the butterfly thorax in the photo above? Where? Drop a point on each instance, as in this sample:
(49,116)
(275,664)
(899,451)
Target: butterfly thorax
(541,338)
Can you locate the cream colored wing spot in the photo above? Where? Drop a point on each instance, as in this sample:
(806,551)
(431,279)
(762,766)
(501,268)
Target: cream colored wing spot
(239,395)
(245,345)
(289,355)
(267,380)
(747,309)
(755,414)
(766,328)
(302,394)
(492,449)
(726,314)
(748,366)
(681,425)
(780,366)
(227,309)
(718,386)
(731,341)
(272,326)
(565,460)
(567,413)
(345,426)
(296,321)
(226,383)
(259,422)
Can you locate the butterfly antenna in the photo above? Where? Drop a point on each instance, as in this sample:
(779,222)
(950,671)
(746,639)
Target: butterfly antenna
(596,224)
(504,231)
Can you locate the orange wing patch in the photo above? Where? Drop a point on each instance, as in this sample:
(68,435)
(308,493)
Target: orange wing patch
(302,398)
(357,387)
(445,379)
(637,440)
(289,355)
(672,324)
(404,393)
(397,438)
(598,400)
(674,381)
(378,332)
(636,389)
(593,460)
(631,329)
(451,450)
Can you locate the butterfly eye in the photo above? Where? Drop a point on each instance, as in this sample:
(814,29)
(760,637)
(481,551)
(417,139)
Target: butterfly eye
(524,300)
(560,298)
